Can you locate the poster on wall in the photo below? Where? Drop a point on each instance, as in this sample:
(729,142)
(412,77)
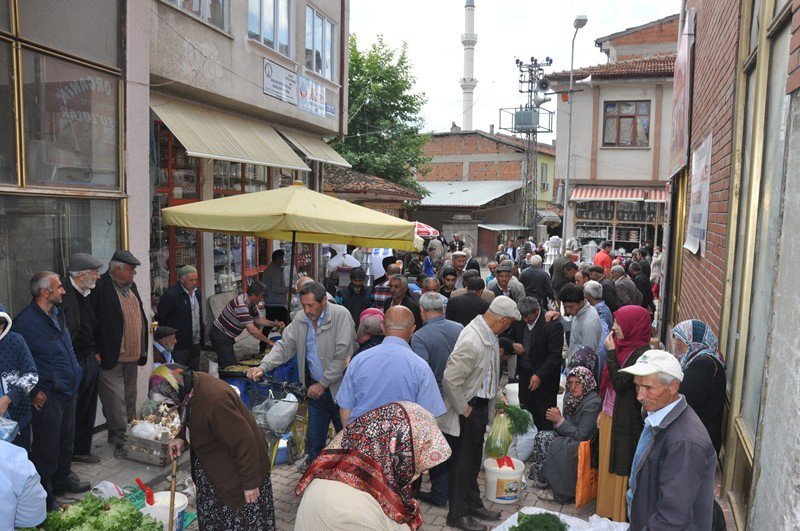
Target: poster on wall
(280,82)
(682,97)
(312,96)
(696,230)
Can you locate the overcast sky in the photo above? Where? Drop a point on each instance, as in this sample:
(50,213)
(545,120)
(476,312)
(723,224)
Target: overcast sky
(506,29)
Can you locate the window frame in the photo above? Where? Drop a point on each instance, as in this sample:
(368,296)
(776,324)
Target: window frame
(260,38)
(205,12)
(620,116)
(328,50)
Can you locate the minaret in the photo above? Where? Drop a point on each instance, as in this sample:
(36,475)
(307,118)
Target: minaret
(468,82)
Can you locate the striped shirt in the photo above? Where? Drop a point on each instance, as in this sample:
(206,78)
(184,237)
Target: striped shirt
(236,315)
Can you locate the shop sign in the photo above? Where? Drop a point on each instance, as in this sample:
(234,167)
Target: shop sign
(696,231)
(682,97)
(280,82)
(312,96)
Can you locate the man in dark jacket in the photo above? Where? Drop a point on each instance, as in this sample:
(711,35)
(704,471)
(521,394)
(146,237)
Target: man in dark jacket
(356,297)
(672,476)
(45,331)
(398,287)
(121,339)
(181,308)
(464,308)
(472,264)
(537,285)
(538,345)
(81,321)
(642,283)
(597,273)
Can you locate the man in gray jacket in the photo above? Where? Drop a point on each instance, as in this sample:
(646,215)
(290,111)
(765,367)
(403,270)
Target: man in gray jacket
(672,476)
(323,339)
(584,323)
(627,292)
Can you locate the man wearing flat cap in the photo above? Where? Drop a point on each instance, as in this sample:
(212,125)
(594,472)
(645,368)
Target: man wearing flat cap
(121,338)
(163,345)
(81,321)
(181,308)
(471,387)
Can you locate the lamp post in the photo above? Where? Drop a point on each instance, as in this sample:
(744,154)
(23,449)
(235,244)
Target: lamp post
(578,23)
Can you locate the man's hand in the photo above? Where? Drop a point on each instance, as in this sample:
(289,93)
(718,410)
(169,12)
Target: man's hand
(551,315)
(38,401)
(518,348)
(175,448)
(98,358)
(255,373)
(468,411)
(535,382)
(609,342)
(316,391)
(553,415)
(251,496)
(598,420)
(4,403)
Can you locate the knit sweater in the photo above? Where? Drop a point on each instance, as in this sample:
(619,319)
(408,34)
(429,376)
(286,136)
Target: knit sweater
(18,373)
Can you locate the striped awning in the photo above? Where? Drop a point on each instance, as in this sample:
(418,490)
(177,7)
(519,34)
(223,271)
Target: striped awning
(314,147)
(656,196)
(607,193)
(214,134)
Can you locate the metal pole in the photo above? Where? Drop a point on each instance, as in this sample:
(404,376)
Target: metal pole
(291,272)
(569,148)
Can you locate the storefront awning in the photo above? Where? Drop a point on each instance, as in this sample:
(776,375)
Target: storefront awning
(545,216)
(315,148)
(656,196)
(215,134)
(503,227)
(606,193)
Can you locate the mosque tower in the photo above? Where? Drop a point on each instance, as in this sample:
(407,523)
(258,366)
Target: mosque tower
(468,82)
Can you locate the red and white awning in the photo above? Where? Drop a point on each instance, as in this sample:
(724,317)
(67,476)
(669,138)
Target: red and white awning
(606,193)
(656,196)
(426,231)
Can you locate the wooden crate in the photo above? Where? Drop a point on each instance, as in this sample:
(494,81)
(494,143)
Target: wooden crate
(146,450)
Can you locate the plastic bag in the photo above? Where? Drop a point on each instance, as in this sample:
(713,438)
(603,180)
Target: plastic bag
(281,415)
(9,429)
(522,445)
(499,438)
(586,485)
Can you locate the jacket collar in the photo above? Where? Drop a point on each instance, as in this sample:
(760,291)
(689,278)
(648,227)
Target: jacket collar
(676,412)
(484,332)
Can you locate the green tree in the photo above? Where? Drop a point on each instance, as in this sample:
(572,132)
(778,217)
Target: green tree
(384,119)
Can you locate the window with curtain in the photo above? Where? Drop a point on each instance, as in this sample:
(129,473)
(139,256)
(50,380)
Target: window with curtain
(626,124)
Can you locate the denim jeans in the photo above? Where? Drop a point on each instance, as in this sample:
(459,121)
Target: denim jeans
(321,412)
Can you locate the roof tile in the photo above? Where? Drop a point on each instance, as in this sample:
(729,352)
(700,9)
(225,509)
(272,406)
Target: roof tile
(655,66)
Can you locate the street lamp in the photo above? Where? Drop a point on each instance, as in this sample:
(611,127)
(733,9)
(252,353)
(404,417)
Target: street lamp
(578,23)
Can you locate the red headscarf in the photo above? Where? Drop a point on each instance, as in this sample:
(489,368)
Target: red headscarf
(636,330)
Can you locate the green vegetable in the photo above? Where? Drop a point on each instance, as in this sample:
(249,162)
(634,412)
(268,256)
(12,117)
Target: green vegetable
(96,514)
(520,419)
(538,522)
(499,438)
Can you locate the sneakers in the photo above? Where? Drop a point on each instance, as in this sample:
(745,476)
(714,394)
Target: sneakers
(89,459)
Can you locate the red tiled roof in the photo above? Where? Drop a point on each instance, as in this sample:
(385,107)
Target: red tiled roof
(546,149)
(655,66)
(348,181)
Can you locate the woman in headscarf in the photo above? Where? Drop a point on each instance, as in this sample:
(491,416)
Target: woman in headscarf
(362,480)
(620,421)
(555,454)
(370,331)
(704,381)
(585,357)
(230,465)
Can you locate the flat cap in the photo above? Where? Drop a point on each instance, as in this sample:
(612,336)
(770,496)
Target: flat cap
(505,265)
(459,254)
(83,262)
(125,257)
(164,331)
(505,307)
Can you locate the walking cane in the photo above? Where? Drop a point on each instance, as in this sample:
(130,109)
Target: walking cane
(172,495)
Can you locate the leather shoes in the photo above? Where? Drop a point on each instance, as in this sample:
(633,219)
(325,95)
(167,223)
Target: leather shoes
(466,523)
(485,514)
(427,497)
(90,459)
(73,486)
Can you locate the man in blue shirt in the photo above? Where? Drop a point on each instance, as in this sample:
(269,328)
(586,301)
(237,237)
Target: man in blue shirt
(390,372)
(164,341)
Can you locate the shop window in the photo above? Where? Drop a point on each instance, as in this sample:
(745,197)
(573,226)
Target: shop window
(626,124)
(8,154)
(268,22)
(5,15)
(41,233)
(319,44)
(85,28)
(71,124)
(212,11)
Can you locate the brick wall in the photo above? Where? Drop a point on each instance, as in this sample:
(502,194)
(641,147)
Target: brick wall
(713,101)
(793,81)
(469,144)
(450,171)
(658,33)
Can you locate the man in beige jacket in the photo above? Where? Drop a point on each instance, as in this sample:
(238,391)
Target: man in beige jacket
(470,386)
(323,339)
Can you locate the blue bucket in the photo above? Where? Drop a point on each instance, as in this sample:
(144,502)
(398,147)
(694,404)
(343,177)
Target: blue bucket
(243,385)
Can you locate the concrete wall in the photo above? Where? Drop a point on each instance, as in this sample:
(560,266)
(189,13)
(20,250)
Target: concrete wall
(776,497)
(226,68)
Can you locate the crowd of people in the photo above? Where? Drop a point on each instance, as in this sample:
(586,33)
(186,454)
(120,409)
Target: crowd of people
(406,368)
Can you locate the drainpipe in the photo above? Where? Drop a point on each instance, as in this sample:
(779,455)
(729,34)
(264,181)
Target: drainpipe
(343,51)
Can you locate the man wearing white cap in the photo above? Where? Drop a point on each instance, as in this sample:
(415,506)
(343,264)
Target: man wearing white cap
(470,385)
(672,477)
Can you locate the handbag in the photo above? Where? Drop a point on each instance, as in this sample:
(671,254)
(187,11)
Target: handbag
(586,485)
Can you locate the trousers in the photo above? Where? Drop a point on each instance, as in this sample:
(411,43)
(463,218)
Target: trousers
(537,401)
(321,412)
(86,405)
(465,462)
(53,438)
(223,344)
(188,356)
(117,391)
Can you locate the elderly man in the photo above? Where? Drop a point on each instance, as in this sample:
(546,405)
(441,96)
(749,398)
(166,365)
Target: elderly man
(537,284)
(356,297)
(164,342)
(597,273)
(121,338)
(471,264)
(593,293)
(506,283)
(492,267)
(81,321)
(20,377)
(433,343)
(583,323)
(44,329)
(465,308)
(486,295)
(672,476)
(459,259)
(322,339)
(557,271)
(398,287)
(470,385)
(381,292)
(181,308)
(389,372)
(459,243)
(627,292)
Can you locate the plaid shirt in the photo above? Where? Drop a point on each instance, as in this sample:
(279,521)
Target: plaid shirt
(381,294)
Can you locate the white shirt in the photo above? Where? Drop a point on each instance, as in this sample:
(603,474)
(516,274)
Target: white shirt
(84,292)
(23,501)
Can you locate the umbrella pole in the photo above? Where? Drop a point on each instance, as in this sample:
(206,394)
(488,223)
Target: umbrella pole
(291,272)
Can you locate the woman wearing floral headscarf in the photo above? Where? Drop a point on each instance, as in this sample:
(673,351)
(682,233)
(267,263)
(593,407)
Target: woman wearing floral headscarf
(555,454)
(230,465)
(704,381)
(362,480)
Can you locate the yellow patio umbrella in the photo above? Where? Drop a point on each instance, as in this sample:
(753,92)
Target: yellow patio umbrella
(298,214)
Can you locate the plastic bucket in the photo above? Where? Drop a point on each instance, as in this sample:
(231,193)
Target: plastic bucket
(503,485)
(242,385)
(160,510)
(512,394)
